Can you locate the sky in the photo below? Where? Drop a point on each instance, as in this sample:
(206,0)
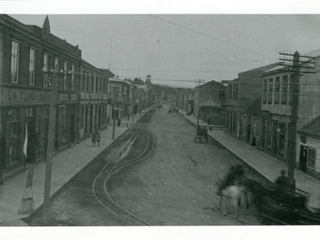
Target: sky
(178,49)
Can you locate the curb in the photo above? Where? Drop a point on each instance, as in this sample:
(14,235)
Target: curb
(238,157)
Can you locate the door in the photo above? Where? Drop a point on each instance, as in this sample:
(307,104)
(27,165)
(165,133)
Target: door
(303,158)
(72,127)
(275,138)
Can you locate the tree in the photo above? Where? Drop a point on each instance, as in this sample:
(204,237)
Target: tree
(138,81)
(148,79)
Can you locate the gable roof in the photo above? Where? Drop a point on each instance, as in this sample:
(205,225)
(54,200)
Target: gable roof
(312,128)
(254,109)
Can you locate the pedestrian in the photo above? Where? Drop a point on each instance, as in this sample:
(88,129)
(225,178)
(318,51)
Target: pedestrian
(32,147)
(253,143)
(210,129)
(94,138)
(282,182)
(198,131)
(97,136)
(119,122)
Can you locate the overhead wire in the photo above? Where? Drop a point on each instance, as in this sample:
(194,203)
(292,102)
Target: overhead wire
(208,36)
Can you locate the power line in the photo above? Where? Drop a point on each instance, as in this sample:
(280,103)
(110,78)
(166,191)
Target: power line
(208,36)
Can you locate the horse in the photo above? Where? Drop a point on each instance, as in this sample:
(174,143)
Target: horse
(229,188)
(233,193)
(250,186)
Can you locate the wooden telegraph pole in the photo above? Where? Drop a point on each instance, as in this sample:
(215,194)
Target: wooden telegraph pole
(51,139)
(199,81)
(297,65)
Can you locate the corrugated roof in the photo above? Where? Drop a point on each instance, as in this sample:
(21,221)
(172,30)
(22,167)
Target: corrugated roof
(312,128)
(254,109)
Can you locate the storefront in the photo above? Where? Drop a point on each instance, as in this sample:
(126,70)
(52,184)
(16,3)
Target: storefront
(67,124)
(22,112)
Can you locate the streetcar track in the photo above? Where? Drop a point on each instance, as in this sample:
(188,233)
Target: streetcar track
(113,167)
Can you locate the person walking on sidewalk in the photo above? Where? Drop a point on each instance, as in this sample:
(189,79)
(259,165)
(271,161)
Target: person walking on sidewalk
(119,122)
(96,136)
(253,143)
(32,147)
(282,182)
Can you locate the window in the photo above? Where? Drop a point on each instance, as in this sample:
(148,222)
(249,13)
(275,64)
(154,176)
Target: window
(32,66)
(284,89)
(45,69)
(56,64)
(311,158)
(282,136)
(72,76)
(265,90)
(277,90)
(15,48)
(268,137)
(106,85)
(82,116)
(290,92)
(62,124)
(97,84)
(230,91)
(100,85)
(65,76)
(115,91)
(83,77)
(235,91)
(88,81)
(270,92)
(92,83)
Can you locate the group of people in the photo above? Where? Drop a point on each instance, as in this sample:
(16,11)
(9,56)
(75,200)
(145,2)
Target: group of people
(202,131)
(233,177)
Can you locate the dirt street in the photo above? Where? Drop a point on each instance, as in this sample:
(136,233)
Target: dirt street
(174,186)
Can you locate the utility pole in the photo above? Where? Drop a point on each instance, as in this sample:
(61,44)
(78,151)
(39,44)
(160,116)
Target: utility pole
(199,81)
(132,94)
(297,65)
(114,113)
(51,139)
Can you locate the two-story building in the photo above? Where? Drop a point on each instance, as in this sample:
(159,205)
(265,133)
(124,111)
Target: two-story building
(276,117)
(241,93)
(31,58)
(94,99)
(209,99)
(118,93)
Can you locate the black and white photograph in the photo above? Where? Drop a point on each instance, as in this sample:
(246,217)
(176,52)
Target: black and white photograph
(196,124)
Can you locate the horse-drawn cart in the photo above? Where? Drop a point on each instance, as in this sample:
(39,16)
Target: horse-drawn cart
(284,207)
(200,137)
(202,134)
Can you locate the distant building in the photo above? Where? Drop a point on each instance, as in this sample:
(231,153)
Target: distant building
(119,94)
(93,99)
(208,101)
(241,93)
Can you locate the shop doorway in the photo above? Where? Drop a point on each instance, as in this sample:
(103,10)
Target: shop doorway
(303,158)
(73,124)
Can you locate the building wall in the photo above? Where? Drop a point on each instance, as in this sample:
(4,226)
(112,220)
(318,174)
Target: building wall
(309,142)
(309,95)
(25,104)
(93,95)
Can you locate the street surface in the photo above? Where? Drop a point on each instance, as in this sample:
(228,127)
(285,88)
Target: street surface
(174,186)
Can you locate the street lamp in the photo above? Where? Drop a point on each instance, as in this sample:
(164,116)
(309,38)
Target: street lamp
(115,92)
(51,136)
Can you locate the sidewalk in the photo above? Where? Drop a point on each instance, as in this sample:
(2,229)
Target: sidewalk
(263,163)
(65,165)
